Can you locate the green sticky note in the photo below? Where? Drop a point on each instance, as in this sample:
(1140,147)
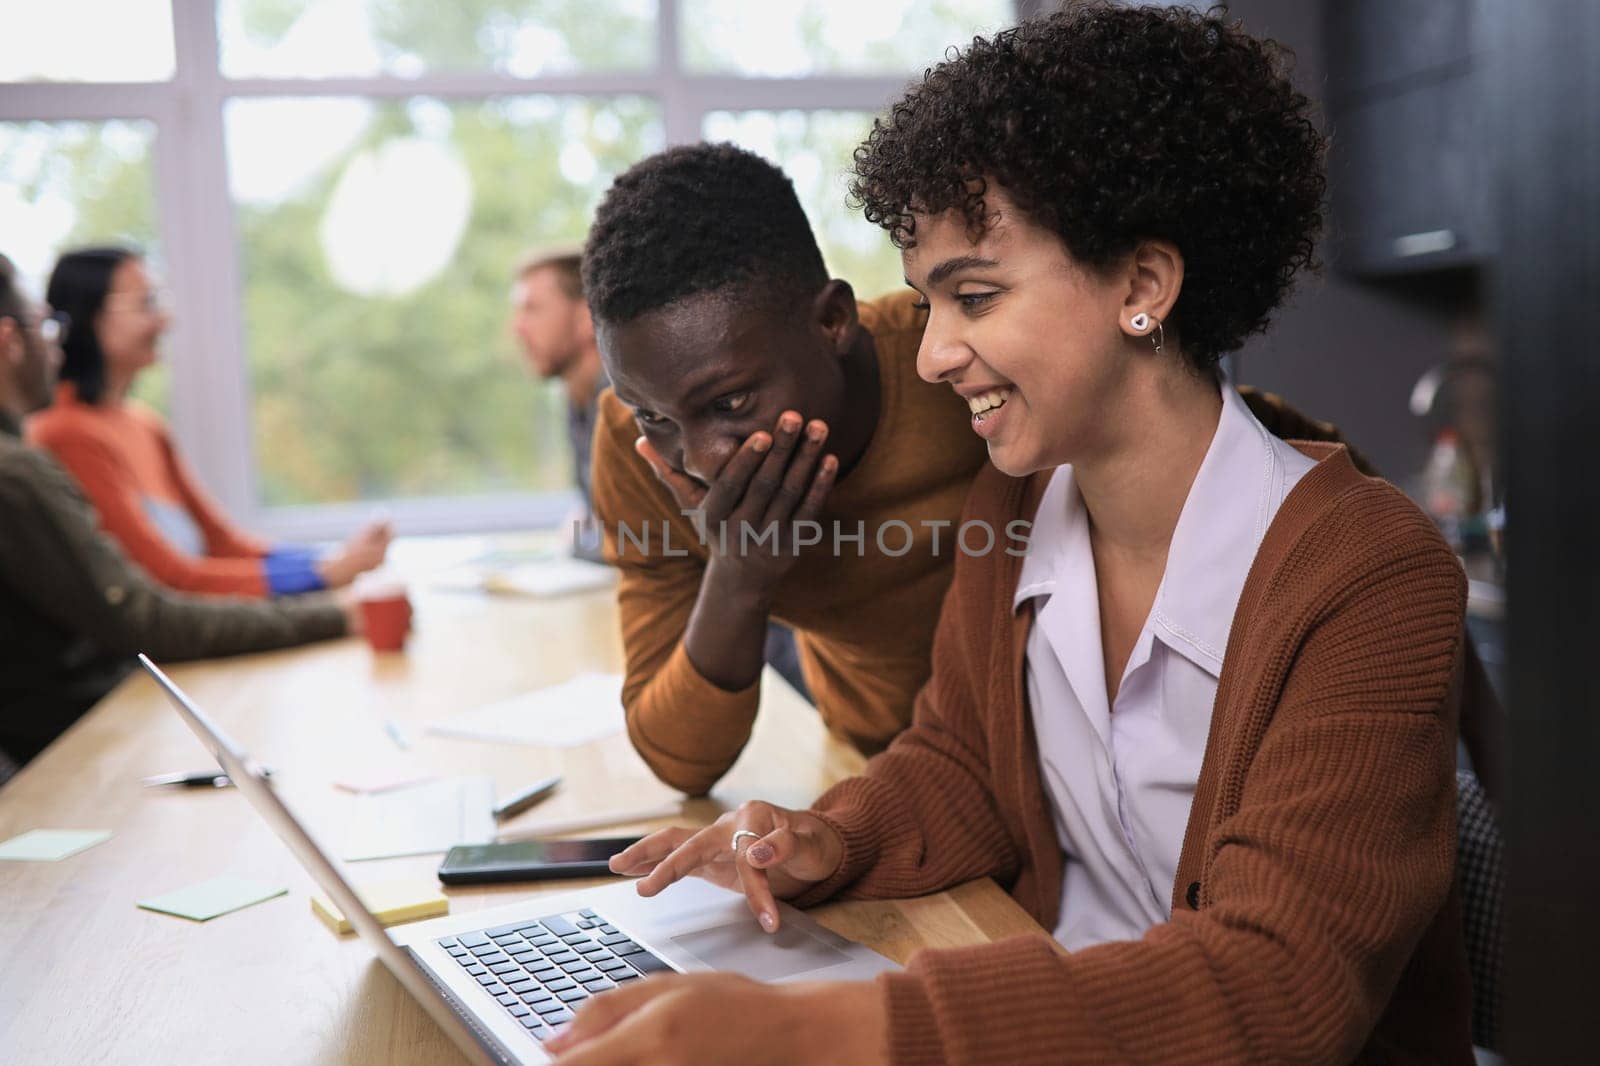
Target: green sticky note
(51,845)
(208,899)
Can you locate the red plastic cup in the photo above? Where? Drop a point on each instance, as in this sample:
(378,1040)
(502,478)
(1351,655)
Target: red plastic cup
(385,613)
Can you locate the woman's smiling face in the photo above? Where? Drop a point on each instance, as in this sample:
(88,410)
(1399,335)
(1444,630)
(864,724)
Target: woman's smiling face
(1030,338)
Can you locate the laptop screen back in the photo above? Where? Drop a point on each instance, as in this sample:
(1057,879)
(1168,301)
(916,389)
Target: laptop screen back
(257,789)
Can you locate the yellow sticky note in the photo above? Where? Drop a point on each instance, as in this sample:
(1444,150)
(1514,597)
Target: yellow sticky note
(391,902)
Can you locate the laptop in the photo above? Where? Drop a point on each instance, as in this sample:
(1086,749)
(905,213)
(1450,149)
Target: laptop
(498,981)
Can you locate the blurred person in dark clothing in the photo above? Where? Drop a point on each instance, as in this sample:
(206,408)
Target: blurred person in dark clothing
(73,609)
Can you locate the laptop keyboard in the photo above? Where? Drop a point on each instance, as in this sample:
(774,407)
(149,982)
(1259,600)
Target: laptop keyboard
(540,971)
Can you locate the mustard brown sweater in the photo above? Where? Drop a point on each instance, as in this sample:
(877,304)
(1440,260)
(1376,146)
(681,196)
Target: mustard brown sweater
(1313,913)
(863,622)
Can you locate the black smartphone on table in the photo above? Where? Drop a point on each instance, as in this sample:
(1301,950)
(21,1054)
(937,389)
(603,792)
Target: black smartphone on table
(530,860)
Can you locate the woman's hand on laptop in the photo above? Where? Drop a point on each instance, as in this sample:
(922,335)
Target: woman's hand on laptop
(723,1017)
(778,854)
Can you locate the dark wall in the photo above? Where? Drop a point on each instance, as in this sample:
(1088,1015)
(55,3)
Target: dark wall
(1344,351)
(1545,84)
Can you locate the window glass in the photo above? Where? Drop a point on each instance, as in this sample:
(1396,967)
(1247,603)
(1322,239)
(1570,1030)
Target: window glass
(378,240)
(86,40)
(814,148)
(69,184)
(406,38)
(792,38)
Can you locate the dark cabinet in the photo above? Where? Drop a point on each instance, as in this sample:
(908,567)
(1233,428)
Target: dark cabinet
(1377,43)
(1408,165)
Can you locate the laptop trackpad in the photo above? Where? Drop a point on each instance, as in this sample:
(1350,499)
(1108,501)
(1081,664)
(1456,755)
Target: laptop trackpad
(742,947)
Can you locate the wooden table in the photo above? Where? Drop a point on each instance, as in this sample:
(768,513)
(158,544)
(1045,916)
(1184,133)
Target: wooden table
(87,977)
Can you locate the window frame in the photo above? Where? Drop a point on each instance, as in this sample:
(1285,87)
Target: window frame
(209,380)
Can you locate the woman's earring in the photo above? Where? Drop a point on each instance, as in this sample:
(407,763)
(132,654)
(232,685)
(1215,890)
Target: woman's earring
(1160,338)
(1140,322)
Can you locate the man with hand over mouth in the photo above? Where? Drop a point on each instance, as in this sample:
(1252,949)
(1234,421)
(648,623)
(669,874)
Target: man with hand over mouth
(755,392)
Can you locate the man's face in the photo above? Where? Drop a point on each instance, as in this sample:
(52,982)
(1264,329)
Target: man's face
(33,361)
(704,373)
(551,326)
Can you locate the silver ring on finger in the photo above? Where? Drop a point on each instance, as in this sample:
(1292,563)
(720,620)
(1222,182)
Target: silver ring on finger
(739,834)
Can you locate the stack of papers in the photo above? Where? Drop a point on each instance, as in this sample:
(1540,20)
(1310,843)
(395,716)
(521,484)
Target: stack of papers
(585,709)
(421,820)
(558,577)
(391,902)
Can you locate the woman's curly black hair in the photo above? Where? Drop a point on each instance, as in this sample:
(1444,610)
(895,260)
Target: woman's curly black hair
(1108,125)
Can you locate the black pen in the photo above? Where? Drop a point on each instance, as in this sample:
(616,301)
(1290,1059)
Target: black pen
(194,779)
(523,800)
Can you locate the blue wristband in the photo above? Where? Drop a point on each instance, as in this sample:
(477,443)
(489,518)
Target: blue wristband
(292,570)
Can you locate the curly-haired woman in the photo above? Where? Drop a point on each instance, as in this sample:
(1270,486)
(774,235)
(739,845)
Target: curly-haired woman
(1204,730)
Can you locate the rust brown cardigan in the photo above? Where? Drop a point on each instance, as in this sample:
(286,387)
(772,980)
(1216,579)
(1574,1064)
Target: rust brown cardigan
(1313,914)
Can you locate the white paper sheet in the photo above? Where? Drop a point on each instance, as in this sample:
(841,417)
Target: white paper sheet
(421,820)
(542,579)
(585,709)
(557,577)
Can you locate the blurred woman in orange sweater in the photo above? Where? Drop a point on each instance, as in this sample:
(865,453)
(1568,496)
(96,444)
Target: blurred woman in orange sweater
(119,450)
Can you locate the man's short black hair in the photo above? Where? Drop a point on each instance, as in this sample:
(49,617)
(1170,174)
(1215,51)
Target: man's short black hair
(697,219)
